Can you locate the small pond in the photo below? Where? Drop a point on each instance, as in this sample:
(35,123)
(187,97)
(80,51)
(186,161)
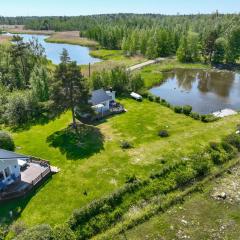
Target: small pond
(205,90)
(77,53)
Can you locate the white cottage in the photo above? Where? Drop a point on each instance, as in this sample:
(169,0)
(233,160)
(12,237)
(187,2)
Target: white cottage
(102,101)
(10,163)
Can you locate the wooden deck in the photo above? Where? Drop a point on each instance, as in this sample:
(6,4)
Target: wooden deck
(32,172)
(32,176)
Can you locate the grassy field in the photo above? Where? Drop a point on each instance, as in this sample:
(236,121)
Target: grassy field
(4,39)
(200,217)
(71,37)
(112,58)
(19,29)
(99,167)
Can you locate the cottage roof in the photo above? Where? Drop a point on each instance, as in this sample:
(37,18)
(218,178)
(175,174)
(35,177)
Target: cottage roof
(7,155)
(99,96)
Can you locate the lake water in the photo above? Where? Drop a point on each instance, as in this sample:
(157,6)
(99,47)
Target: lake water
(53,50)
(206,91)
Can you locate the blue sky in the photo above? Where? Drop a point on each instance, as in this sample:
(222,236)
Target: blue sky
(85,7)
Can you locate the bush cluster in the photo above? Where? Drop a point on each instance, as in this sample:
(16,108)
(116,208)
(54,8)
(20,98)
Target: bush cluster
(6,141)
(163,133)
(186,110)
(126,145)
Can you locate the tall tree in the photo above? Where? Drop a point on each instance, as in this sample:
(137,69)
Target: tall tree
(233,46)
(70,89)
(219,50)
(209,39)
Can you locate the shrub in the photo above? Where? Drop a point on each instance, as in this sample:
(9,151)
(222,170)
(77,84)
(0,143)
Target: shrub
(131,179)
(150,98)
(234,140)
(201,164)
(163,101)
(183,177)
(158,99)
(215,146)
(126,145)
(3,232)
(178,109)
(229,149)
(195,115)
(63,232)
(219,157)
(144,94)
(187,110)
(163,133)
(17,228)
(21,108)
(208,118)
(38,232)
(6,142)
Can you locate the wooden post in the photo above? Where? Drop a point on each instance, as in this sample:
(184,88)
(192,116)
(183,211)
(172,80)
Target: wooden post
(89,70)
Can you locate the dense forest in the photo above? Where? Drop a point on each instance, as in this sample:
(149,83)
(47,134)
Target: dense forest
(29,88)
(212,38)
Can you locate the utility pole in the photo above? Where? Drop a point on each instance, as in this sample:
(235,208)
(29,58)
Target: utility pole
(89,70)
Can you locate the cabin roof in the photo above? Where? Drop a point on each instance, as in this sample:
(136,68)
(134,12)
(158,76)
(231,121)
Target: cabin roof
(99,96)
(7,155)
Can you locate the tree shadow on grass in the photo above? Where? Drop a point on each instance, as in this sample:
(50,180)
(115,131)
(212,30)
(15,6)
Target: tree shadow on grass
(87,141)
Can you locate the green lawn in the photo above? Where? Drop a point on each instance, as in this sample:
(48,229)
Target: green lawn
(100,168)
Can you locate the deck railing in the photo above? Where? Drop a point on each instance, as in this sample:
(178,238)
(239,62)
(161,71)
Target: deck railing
(7,195)
(41,176)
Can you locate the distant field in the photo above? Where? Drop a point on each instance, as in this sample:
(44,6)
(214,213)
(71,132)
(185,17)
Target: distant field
(71,37)
(19,29)
(4,39)
(112,58)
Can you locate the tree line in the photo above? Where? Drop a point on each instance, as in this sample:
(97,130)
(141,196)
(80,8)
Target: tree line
(32,89)
(212,38)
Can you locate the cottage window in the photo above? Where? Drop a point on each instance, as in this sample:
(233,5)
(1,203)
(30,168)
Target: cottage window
(1,176)
(7,172)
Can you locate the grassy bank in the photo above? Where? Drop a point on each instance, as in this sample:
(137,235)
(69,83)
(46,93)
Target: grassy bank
(153,74)
(99,169)
(71,37)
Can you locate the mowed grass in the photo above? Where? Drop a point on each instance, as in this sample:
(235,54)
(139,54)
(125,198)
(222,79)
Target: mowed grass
(104,169)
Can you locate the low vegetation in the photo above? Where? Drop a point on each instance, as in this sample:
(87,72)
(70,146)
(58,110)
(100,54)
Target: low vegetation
(70,37)
(6,141)
(200,216)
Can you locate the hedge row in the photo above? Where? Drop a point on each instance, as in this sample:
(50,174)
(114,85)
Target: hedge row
(186,110)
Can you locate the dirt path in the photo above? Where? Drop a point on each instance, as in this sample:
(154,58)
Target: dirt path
(141,65)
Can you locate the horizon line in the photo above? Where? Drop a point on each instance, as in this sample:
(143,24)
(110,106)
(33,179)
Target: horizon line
(132,13)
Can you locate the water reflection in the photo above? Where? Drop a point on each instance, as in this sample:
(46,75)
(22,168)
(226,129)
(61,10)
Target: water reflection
(206,91)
